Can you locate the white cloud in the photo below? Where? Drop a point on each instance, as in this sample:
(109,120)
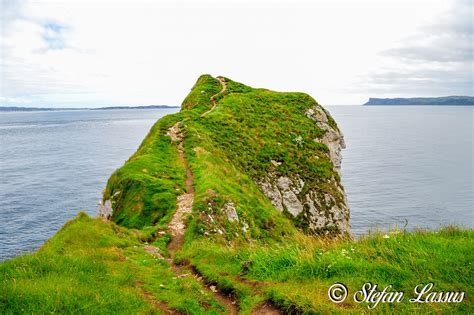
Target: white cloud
(94,53)
(436,60)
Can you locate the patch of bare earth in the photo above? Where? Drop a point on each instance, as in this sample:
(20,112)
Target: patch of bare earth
(177,227)
(266,308)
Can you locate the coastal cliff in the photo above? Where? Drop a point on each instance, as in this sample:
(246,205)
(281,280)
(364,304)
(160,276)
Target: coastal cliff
(236,137)
(433,101)
(234,205)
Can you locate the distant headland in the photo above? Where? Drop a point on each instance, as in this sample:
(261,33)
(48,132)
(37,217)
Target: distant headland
(35,109)
(446,100)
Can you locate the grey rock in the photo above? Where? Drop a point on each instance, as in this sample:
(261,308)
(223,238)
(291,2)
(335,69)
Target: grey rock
(105,209)
(321,209)
(230,212)
(289,190)
(333,138)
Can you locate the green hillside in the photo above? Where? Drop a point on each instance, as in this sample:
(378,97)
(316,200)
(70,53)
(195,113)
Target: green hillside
(233,205)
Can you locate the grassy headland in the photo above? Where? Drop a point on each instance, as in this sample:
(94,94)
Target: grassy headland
(260,257)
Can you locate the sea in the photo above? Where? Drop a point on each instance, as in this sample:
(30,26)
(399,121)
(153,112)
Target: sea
(404,166)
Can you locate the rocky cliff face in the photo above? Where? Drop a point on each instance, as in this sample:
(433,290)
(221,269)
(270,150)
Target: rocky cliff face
(315,210)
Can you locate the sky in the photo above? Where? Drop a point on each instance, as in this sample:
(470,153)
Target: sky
(119,53)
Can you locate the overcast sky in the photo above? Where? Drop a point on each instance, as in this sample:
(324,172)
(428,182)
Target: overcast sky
(101,53)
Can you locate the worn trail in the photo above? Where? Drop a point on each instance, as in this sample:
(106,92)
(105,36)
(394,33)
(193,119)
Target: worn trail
(213,97)
(177,227)
(184,205)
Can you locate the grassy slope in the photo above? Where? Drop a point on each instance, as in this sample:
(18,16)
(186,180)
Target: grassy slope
(146,187)
(102,267)
(297,274)
(228,150)
(91,266)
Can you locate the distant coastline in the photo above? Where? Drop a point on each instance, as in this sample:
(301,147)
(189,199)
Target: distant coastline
(36,109)
(437,101)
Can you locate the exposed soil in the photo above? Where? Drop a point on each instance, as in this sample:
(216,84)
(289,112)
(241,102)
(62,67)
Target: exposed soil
(177,229)
(177,226)
(266,308)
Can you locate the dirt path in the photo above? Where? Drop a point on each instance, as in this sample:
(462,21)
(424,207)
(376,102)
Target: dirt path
(266,308)
(213,97)
(177,227)
(184,205)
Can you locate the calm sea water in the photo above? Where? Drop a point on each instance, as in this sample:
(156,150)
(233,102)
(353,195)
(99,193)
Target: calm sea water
(400,163)
(407,163)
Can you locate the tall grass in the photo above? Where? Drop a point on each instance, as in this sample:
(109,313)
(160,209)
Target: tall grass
(298,272)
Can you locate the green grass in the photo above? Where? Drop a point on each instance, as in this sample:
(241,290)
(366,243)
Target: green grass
(296,274)
(91,266)
(143,192)
(228,151)
(217,181)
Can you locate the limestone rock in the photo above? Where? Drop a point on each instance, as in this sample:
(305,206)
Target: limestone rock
(230,212)
(315,209)
(105,209)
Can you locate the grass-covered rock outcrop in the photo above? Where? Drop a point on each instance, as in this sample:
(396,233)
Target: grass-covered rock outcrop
(249,180)
(256,149)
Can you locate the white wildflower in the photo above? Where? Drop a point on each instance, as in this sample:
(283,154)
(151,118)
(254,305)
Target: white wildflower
(299,140)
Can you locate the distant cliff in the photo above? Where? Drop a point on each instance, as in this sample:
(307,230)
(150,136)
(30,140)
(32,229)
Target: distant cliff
(446,100)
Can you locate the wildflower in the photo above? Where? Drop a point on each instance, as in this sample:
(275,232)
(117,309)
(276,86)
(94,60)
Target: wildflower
(386,236)
(299,141)
(353,249)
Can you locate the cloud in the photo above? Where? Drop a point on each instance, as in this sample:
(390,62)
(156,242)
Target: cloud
(451,39)
(96,53)
(437,60)
(14,100)
(421,82)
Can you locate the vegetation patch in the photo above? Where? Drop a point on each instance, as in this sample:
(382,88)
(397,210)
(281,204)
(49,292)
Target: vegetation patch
(236,241)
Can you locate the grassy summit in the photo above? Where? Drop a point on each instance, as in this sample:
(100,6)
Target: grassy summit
(193,231)
(249,134)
